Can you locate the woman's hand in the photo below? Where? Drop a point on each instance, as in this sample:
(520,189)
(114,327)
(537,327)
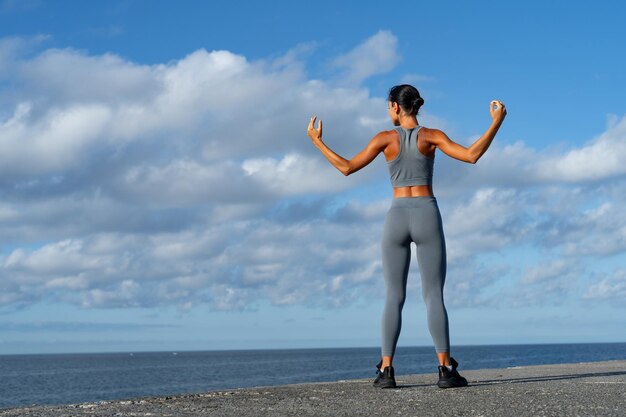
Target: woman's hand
(315,134)
(478,148)
(497,110)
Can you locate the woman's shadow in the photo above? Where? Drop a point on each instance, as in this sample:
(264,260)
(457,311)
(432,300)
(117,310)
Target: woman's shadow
(524,380)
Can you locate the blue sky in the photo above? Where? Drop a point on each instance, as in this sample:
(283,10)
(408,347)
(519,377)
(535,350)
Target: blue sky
(159,191)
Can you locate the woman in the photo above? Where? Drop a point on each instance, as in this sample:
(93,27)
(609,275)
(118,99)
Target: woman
(413,217)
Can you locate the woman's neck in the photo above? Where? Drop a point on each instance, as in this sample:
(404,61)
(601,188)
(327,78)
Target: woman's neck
(408,122)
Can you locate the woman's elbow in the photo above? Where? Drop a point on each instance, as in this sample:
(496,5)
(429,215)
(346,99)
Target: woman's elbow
(472,158)
(346,170)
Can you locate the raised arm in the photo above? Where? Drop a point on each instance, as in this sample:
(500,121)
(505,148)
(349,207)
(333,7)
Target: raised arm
(346,167)
(478,148)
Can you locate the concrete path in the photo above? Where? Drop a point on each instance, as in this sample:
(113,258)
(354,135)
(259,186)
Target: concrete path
(583,389)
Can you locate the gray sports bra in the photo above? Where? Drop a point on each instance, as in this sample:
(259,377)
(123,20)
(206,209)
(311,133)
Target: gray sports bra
(410,166)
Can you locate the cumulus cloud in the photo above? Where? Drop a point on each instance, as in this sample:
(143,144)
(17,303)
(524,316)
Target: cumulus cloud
(71,110)
(490,220)
(129,172)
(546,282)
(600,159)
(227,266)
(596,231)
(611,288)
(471,284)
(546,272)
(521,166)
(192,182)
(376,55)
(293,174)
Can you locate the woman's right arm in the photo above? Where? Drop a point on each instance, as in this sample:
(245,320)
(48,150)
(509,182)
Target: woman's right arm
(345,166)
(478,148)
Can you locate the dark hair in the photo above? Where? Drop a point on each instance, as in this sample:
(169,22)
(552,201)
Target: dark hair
(407,97)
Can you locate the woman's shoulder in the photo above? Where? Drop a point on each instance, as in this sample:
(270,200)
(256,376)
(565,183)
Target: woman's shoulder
(387,134)
(431,133)
(427,129)
(393,131)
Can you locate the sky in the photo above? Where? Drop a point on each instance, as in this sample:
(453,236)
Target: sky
(158,190)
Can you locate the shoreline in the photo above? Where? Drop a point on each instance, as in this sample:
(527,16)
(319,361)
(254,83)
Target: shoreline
(314,348)
(585,388)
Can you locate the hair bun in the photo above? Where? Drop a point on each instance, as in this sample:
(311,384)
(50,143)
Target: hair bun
(407,97)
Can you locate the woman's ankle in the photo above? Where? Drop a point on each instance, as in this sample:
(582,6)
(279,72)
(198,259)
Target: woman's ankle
(444,358)
(386,361)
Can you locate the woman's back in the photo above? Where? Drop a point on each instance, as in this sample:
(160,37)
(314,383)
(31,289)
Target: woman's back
(410,167)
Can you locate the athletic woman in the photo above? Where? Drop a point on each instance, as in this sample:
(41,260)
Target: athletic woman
(413,217)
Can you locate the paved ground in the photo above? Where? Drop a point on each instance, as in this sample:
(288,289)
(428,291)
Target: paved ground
(584,389)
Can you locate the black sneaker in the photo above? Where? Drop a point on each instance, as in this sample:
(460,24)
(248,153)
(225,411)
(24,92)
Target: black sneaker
(450,378)
(385,378)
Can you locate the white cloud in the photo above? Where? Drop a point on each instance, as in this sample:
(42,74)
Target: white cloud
(470,284)
(596,231)
(74,111)
(70,76)
(296,174)
(609,288)
(551,281)
(193,182)
(377,55)
(491,220)
(52,143)
(229,266)
(601,159)
(517,165)
(125,294)
(547,271)
(184,182)
(12,47)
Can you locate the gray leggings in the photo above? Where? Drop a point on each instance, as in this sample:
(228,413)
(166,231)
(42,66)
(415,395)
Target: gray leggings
(414,219)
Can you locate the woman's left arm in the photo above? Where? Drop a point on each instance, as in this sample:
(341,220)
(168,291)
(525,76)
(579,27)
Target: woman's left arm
(346,167)
(478,148)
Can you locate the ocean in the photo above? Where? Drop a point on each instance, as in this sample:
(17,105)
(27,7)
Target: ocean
(85,377)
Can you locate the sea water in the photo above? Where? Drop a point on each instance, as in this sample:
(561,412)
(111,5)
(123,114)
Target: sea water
(74,378)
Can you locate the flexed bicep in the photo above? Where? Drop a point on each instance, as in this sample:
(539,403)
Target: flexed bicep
(451,148)
(367,155)
(346,167)
(480,146)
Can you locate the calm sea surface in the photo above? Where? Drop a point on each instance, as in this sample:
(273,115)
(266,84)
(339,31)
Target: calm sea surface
(74,378)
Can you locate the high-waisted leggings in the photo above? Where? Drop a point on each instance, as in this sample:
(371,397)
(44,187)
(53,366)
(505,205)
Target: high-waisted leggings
(414,219)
